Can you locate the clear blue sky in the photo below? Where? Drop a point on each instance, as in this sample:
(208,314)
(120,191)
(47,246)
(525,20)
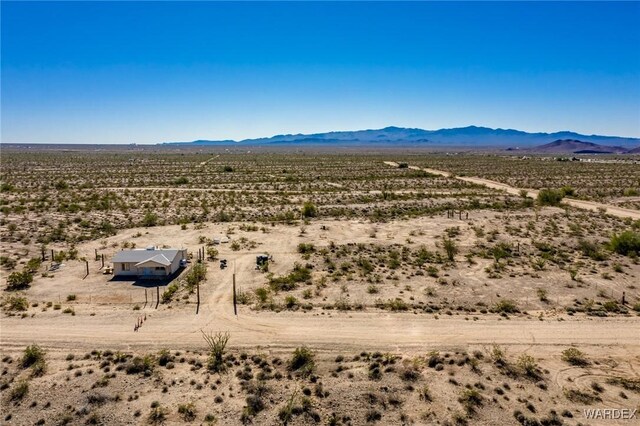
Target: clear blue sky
(124,72)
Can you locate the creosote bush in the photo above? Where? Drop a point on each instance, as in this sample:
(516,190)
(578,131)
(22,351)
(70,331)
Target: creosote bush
(550,197)
(302,361)
(574,356)
(626,243)
(309,210)
(19,280)
(506,306)
(32,354)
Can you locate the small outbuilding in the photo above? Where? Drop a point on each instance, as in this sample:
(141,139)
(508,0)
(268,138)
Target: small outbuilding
(151,262)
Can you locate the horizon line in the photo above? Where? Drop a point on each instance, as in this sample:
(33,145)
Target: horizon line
(237,141)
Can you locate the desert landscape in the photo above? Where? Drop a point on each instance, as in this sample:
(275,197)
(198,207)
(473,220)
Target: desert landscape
(298,213)
(399,289)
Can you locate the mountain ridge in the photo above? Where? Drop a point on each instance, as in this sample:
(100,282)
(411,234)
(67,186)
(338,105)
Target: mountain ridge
(475,136)
(575,146)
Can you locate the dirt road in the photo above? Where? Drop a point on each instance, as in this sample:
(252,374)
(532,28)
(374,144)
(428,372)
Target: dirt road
(581,204)
(335,331)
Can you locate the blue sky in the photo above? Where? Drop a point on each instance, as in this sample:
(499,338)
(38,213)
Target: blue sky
(122,72)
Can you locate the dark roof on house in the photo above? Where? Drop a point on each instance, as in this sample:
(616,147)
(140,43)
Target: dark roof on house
(141,255)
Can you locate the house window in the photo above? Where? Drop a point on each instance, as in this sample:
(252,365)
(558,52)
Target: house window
(159,268)
(126,267)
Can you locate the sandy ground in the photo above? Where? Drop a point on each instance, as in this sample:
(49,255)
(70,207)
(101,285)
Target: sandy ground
(104,312)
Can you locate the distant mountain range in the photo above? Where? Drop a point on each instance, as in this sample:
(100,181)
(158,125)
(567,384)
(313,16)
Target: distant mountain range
(471,136)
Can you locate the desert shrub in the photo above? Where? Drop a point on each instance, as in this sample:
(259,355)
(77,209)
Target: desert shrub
(302,361)
(574,356)
(16,303)
(425,393)
(187,411)
(410,374)
(164,357)
(197,274)
(61,185)
(216,343)
(396,305)
(626,243)
(7,187)
(450,248)
(528,365)
(365,265)
(33,264)
(96,398)
(632,385)
(19,391)
(506,306)
(306,248)
(150,219)
(32,355)
(542,294)
(290,302)
(580,397)
(212,253)
(262,294)
(309,210)
(255,400)
(470,399)
(568,191)
(8,262)
(158,414)
(19,280)
(181,181)
(243,298)
(144,365)
(591,249)
(611,306)
(290,281)
(550,197)
(167,295)
(498,355)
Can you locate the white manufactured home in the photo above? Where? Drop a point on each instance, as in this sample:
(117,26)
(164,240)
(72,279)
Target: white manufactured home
(148,263)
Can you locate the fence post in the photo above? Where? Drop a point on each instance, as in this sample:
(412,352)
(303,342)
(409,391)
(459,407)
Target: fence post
(235,308)
(198,296)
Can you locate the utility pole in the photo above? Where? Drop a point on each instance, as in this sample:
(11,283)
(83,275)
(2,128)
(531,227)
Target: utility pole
(235,300)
